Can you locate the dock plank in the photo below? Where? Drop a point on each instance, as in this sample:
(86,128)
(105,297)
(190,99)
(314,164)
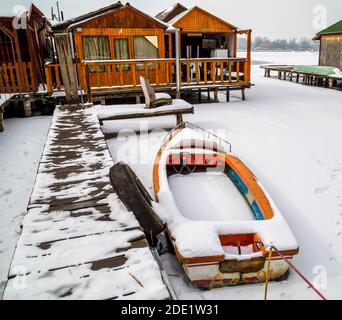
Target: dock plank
(78,240)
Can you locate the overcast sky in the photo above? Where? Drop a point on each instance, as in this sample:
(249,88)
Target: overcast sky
(270,18)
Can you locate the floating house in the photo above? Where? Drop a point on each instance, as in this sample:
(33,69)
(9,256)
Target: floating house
(105,52)
(331,46)
(25,44)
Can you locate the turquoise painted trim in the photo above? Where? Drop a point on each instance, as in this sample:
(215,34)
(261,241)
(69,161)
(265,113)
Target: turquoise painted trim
(257,211)
(240,185)
(238,182)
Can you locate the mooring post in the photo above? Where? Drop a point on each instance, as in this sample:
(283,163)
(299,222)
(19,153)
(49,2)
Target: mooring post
(216,95)
(199,95)
(228,95)
(243,94)
(27,108)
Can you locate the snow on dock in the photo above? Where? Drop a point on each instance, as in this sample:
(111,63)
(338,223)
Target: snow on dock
(78,240)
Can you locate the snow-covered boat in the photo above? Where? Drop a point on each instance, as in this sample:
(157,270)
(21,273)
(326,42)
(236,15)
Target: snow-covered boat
(220,219)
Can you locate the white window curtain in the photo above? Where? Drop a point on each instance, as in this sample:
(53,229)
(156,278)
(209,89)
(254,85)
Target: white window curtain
(146,47)
(96,48)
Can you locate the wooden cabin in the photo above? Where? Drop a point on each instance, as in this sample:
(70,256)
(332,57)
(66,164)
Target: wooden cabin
(24,47)
(330,52)
(203,36)
(107,50)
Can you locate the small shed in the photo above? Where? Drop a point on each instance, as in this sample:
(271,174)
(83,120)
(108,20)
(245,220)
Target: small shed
(331,46)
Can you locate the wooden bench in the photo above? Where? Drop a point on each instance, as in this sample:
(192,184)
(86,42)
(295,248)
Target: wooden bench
(125,112)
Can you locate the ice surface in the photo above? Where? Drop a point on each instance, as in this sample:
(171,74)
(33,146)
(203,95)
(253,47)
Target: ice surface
(288,135)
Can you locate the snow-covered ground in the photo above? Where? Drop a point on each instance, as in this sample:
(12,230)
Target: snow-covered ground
(288,135)
(4,97)
(21,146)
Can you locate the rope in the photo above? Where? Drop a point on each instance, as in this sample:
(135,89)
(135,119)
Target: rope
(268,272)
(311,286)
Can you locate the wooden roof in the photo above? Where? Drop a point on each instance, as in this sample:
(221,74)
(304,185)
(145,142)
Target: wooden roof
(114,16)
(198,20)
(168,14)
(65,24)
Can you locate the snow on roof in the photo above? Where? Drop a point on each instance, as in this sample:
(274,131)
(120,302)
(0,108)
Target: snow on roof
(92,14)
(101,12)
(167,14)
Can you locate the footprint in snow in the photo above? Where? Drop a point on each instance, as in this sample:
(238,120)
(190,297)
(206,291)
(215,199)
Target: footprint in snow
(6,192)
(321,190)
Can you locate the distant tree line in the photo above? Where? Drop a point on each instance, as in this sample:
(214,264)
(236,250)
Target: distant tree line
(263,43)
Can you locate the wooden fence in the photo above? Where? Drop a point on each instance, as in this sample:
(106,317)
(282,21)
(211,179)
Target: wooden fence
(113,75)
(17,78)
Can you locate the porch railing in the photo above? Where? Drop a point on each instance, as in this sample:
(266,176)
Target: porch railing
(112,75)
(17,78)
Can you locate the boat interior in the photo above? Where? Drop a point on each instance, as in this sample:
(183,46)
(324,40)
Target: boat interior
(206,188)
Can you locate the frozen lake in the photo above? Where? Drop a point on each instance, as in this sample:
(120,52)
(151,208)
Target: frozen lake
(288,135)
(21,147)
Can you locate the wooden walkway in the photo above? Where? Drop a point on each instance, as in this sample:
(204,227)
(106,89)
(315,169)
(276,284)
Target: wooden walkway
(78,240)
(287,72)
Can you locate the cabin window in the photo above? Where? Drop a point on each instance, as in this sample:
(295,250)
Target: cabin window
(96,48)
(146,47)
(122,52)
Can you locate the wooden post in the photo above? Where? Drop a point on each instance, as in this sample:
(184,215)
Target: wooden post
(216,95)
(67,67)
(48,80)
(179,118)
(243,94)
(249,56)
(170,45)
(228,95)
(1,119)
(27,108)
(87,76)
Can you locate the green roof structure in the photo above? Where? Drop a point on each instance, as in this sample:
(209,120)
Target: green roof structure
(334,29)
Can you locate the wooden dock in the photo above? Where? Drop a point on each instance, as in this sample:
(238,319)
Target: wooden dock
(78,241)
(287,72)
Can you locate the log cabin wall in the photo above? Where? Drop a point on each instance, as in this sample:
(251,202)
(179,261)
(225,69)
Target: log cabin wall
(123,25)
(198,26)
(331,51)
(198,20)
